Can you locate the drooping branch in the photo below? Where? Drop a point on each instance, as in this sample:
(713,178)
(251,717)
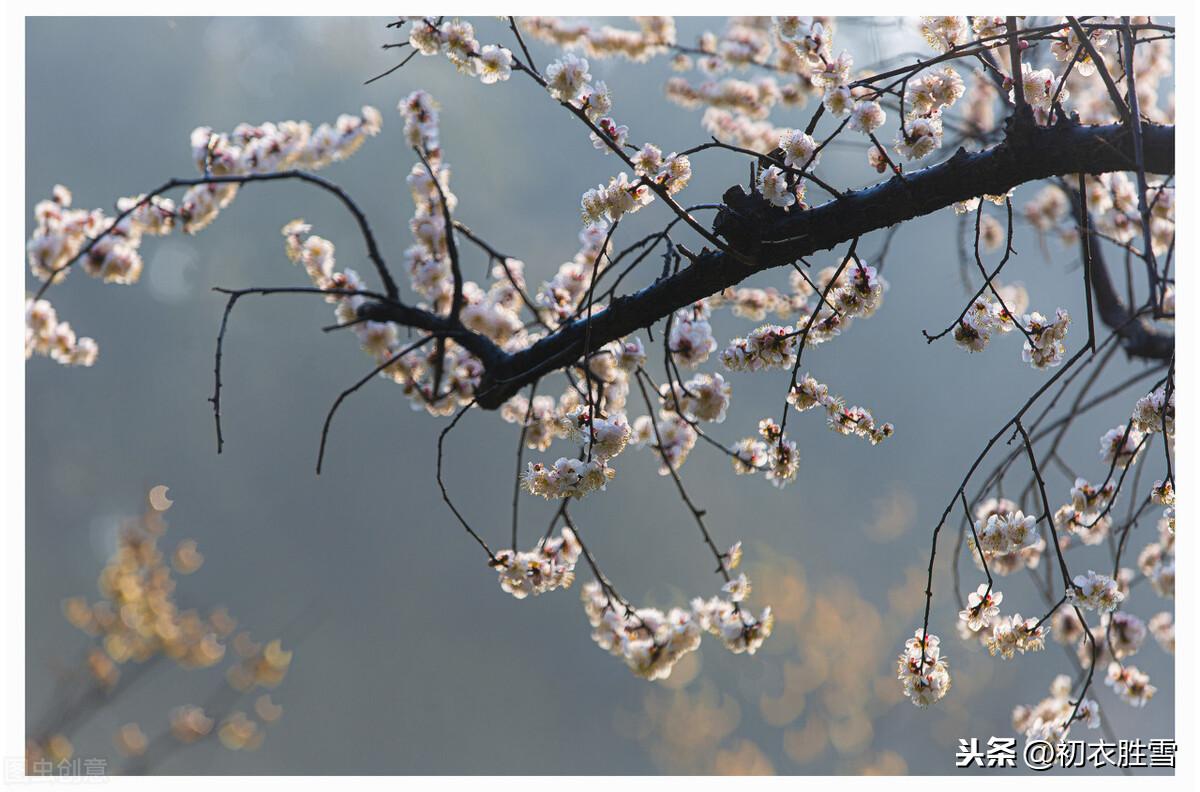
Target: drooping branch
(1139,337)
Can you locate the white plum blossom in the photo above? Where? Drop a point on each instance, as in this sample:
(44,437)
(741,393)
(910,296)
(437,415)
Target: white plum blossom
(495,64)
(567,478)
(943,33)
(1154,411)
(1162,627)
(1095,592)
(567,76)
(738,588)
(983,607)
(772,183)
(1013,634)
(1044,347)
(45,335)
(1121,445)
(799,149)
(919,138)
(749,456)
(769,346)
(614,135)
(611,202)
(783,462)
(866,117)
(652,642)
(549,566)
(705,397)
(1130,684)
(922,669)
(691,339)
(807,393)
(674,440)
(1005,532)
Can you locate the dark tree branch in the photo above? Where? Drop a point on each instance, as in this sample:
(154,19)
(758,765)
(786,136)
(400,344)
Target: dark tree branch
(1028,154)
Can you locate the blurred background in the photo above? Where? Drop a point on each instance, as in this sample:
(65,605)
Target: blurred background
(407,656)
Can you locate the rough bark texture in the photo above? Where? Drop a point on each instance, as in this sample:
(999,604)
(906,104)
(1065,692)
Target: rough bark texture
(771,237)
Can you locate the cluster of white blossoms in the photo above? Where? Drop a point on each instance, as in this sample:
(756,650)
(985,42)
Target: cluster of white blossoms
(755,304)
(1005,532)
(766,347)
(1121,445)
(609,370)
(813,47)
(45,335)
(673,441)
(112,243)
(704,397)
(1027,556)
(1013,634)
(567,477)
(753,100)
(672,172)
(738,130)
(266,148)
(808,393)
(691,338)
(610,202)
(1086,516)
(1046,209)
(1066,48)
(1043,346)
(1047,720)
(749,455)
(1154,412)
(1157,560)
(604,438)
(926,97)
(774,454)
(549,566)
(649,641)
(943,33)
(984,316)
(1112,200)
(774,185)
(1095,592)
(1088,498)
(799,149)
(857,292)
(317,255)
(655,35)
(1132,685)
(734,108)
(568,80)
(544,419)
(933,91)
(922,670)
(456,40)
(739,629)
(1038,87)
(1162,627)
(1163,494)
(983,607)
(1125,631)
(652,642)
